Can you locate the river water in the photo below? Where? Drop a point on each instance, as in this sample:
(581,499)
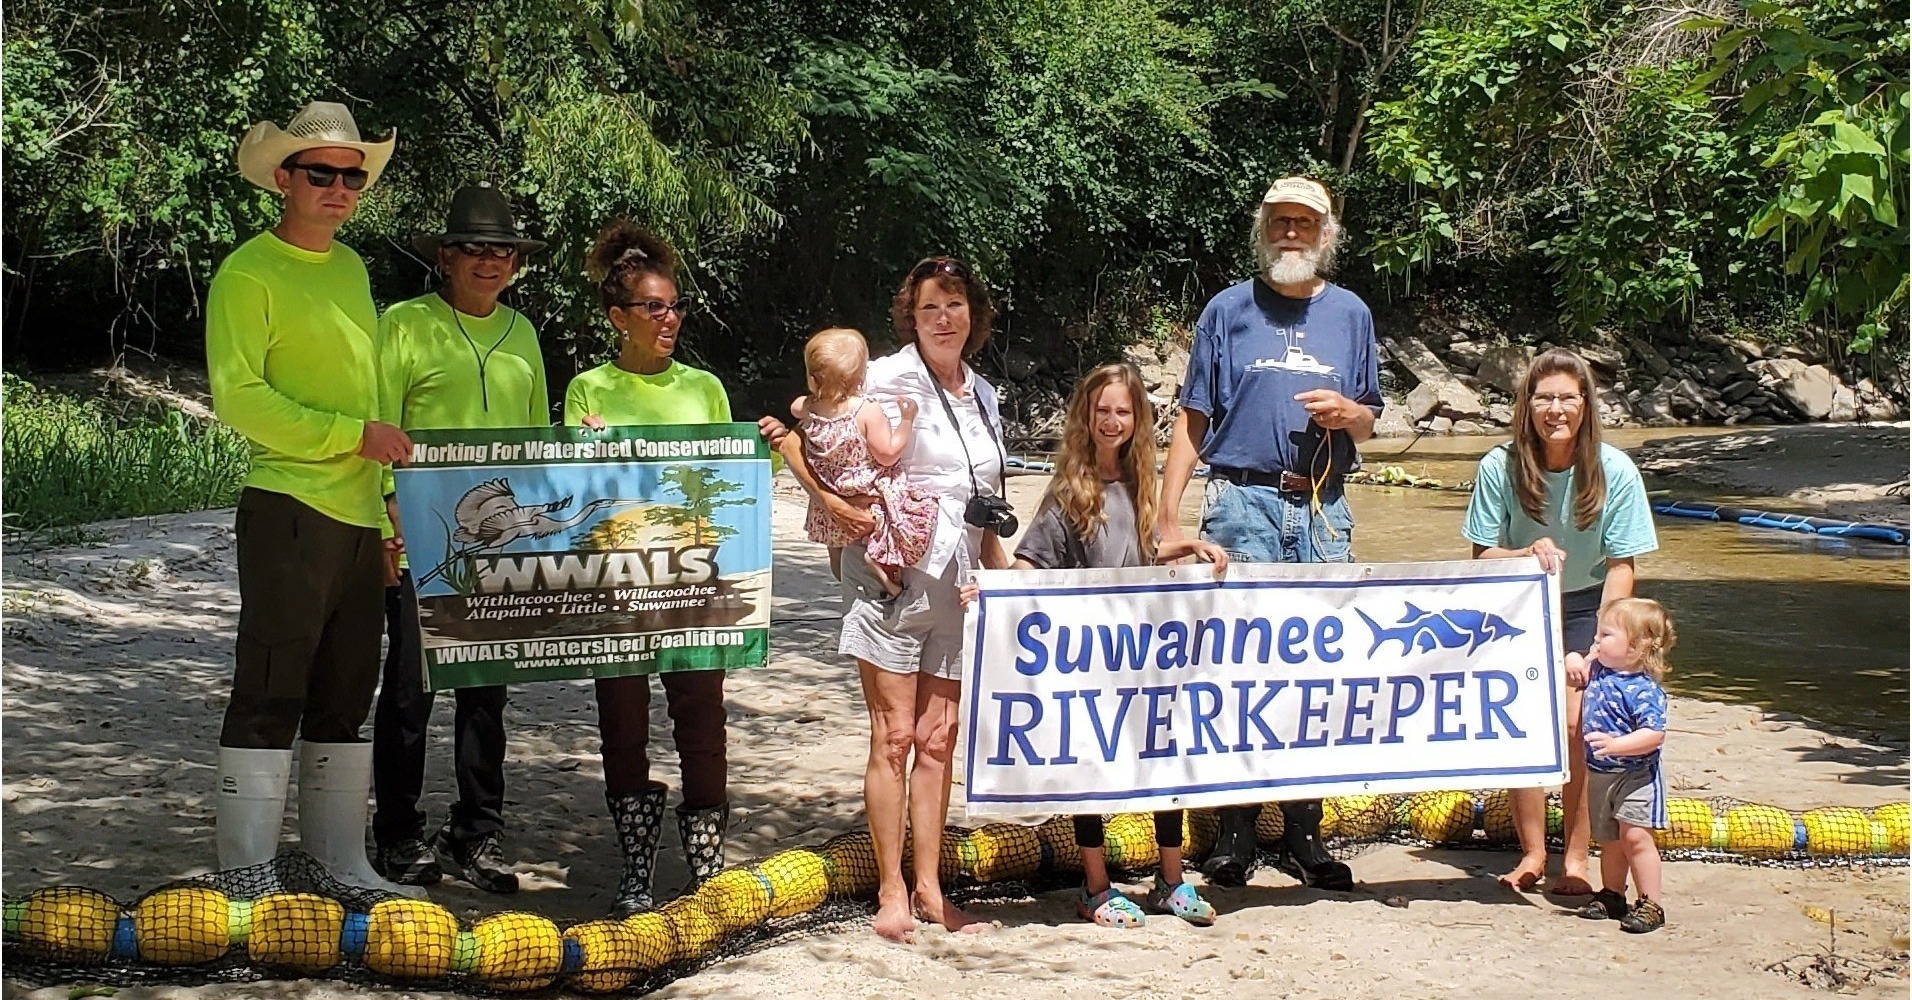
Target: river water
(1798,624)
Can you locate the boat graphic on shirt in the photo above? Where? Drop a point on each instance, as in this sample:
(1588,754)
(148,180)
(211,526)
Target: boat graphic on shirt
(1296,360)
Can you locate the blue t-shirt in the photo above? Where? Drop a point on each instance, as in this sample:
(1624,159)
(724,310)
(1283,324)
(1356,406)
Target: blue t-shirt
(1620,703)
(1255,348)
(1623,530)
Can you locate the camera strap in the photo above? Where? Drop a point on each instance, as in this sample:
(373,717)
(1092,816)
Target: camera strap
(969,462)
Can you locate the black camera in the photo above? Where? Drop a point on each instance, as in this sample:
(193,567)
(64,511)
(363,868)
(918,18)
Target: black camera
(991,514)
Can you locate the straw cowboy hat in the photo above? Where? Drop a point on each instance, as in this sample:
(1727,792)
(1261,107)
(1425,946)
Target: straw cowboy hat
(479,214)
(319,125)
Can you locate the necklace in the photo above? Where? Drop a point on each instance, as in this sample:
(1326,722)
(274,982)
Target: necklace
(484,385)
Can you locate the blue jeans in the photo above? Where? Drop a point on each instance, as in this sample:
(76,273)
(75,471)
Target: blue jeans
(1263,524)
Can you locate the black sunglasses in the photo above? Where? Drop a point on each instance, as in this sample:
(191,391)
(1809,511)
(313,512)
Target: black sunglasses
(496,251)
(939,265)
(321,176)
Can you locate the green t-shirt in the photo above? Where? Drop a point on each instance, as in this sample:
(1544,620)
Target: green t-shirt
(292,358)
(1623,530)
(679,394)
(444,370)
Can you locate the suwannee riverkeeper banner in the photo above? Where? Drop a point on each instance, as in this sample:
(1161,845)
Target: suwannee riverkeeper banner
(1101,691)
(554,553)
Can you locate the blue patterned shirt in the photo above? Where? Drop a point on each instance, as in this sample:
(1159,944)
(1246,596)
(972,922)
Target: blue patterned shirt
(1619,704)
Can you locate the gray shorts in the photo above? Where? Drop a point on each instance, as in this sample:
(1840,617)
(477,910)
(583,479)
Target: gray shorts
(918,631)
(1615,797)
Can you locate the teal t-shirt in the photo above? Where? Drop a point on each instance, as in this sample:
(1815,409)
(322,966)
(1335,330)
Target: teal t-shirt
(1623,530)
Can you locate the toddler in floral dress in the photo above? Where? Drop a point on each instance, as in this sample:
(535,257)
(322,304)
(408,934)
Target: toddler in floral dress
(852,450)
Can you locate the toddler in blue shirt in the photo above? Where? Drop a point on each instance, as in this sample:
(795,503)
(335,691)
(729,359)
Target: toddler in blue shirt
(1623,717)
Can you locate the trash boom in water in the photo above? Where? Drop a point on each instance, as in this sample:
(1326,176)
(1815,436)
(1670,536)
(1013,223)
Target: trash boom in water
(1783,522)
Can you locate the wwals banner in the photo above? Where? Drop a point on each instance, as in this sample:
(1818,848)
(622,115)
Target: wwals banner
(1098,691)
(552,553)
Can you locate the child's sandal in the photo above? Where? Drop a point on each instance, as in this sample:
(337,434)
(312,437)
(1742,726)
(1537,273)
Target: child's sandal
(1645,916)
(1606,905)
(1180,900)
(1109,908)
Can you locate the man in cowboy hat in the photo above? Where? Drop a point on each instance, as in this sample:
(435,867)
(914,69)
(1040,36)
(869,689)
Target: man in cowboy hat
(291,354)
(454,358)
(1282,383)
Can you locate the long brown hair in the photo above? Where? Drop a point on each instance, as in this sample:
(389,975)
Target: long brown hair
(953,275)
(1529,465)
(1077,488)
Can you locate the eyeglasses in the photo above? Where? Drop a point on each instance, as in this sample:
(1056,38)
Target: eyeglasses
(496,251)
(321,176)
(657,309)
(939,265)
(1298,223)
(1566,401)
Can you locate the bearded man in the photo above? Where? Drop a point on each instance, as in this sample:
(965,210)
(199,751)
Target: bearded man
(1282,383)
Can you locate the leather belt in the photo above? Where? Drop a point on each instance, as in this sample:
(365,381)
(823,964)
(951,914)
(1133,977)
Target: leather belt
(1290,482)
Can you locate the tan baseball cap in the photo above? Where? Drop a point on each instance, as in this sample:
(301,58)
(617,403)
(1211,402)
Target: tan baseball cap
(1300,191)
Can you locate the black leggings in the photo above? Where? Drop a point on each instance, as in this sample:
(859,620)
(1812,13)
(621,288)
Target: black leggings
(1168,830)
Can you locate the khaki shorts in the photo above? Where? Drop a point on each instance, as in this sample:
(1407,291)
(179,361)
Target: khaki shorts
(919,631)
(1615,797)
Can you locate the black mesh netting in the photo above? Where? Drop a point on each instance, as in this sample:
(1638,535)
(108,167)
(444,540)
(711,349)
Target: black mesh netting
(289,919)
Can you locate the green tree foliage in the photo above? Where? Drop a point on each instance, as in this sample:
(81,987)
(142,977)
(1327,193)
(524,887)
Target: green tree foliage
(1568,132)
(1097,159)
(1833,75)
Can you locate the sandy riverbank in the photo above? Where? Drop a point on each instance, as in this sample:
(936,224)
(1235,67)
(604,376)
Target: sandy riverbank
(1854,472)
(117,656)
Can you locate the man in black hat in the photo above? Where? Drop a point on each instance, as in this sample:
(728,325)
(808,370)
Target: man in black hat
(452,359)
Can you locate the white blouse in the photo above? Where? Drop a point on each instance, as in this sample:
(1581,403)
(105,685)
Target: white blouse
(936,457)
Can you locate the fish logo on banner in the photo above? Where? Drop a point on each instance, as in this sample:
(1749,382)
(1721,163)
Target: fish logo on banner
(1451,629)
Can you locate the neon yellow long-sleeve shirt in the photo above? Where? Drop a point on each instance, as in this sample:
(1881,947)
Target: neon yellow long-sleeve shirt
(443,370)
(291,353)
(679,394)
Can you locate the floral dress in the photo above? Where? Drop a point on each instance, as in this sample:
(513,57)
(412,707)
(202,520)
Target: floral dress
(905,512)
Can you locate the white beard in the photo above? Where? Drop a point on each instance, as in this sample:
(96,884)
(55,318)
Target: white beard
(1291,267)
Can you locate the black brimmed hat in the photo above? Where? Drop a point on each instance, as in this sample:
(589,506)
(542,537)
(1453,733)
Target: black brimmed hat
(479,214)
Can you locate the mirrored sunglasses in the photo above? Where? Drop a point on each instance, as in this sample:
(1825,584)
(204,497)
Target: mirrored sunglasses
(496,251)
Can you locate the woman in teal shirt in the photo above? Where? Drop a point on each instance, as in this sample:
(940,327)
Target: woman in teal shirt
(645,385)
(1556,493)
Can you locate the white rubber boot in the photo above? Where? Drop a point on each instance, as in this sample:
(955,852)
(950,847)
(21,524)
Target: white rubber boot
(335,782)
(251,805)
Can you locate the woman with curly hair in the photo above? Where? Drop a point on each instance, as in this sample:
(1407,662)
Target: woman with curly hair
(636,274)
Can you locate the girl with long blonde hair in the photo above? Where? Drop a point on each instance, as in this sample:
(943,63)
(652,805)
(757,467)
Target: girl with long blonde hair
(1099,511)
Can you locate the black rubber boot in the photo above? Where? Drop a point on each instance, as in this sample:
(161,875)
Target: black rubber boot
(1302,855)
(703,833)
(1233,860)
(639,820)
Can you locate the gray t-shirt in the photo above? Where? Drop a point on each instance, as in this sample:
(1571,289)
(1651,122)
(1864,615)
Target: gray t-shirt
(1046,544)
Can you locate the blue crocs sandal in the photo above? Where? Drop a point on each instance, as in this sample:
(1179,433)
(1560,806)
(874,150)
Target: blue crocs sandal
(1109,908)
(1180,900)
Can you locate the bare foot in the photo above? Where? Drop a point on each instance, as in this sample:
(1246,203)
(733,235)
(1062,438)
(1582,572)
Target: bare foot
(893,921)
(1570,883)
(938,910)
(1527,874)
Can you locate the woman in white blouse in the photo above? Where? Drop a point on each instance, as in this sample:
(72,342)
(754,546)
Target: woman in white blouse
(907,649)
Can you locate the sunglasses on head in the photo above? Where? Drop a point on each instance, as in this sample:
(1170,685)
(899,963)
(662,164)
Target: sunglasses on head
(657,309)
(496,251)
(321,176)
(940,265)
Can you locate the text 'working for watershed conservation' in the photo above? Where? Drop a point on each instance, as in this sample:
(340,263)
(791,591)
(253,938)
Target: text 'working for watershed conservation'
(557,553)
